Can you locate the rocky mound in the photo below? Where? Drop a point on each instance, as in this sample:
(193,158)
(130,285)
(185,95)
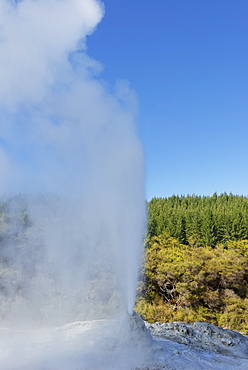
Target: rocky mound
(126,344)
(203,335)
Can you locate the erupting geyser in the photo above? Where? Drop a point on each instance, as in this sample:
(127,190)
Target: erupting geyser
(70,146)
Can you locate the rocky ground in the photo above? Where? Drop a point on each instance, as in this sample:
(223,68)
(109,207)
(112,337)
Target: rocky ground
(180,346)
(128,344)
(203,336)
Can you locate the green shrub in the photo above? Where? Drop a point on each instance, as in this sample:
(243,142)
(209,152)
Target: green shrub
(190,284)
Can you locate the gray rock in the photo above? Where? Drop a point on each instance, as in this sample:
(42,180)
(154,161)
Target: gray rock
(154,366)
(203,335)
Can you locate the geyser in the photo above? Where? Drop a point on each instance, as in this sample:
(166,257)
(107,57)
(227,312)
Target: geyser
(71,244)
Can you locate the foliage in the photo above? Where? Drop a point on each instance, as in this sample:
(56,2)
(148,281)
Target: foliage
(199,221)
(195,283)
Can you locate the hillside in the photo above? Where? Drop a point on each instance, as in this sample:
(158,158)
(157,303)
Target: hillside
(196,257)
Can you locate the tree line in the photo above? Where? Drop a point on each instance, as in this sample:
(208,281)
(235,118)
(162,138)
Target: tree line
(199,220)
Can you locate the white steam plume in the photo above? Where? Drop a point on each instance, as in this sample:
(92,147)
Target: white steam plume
(62,132)
(36,37)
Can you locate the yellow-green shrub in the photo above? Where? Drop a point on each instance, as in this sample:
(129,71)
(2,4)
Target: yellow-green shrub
(185,283)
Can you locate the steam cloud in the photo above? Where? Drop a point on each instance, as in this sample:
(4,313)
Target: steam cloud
(69,144)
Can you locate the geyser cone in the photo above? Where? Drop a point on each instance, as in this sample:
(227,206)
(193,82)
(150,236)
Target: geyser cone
(96,344)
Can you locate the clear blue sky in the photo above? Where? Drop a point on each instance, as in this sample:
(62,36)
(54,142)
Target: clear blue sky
(188,63)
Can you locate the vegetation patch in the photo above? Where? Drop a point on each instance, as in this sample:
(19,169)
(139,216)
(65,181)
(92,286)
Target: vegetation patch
(205,277)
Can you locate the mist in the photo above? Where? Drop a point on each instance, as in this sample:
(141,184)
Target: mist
(72,172)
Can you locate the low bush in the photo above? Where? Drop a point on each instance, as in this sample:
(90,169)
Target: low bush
(183,283)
